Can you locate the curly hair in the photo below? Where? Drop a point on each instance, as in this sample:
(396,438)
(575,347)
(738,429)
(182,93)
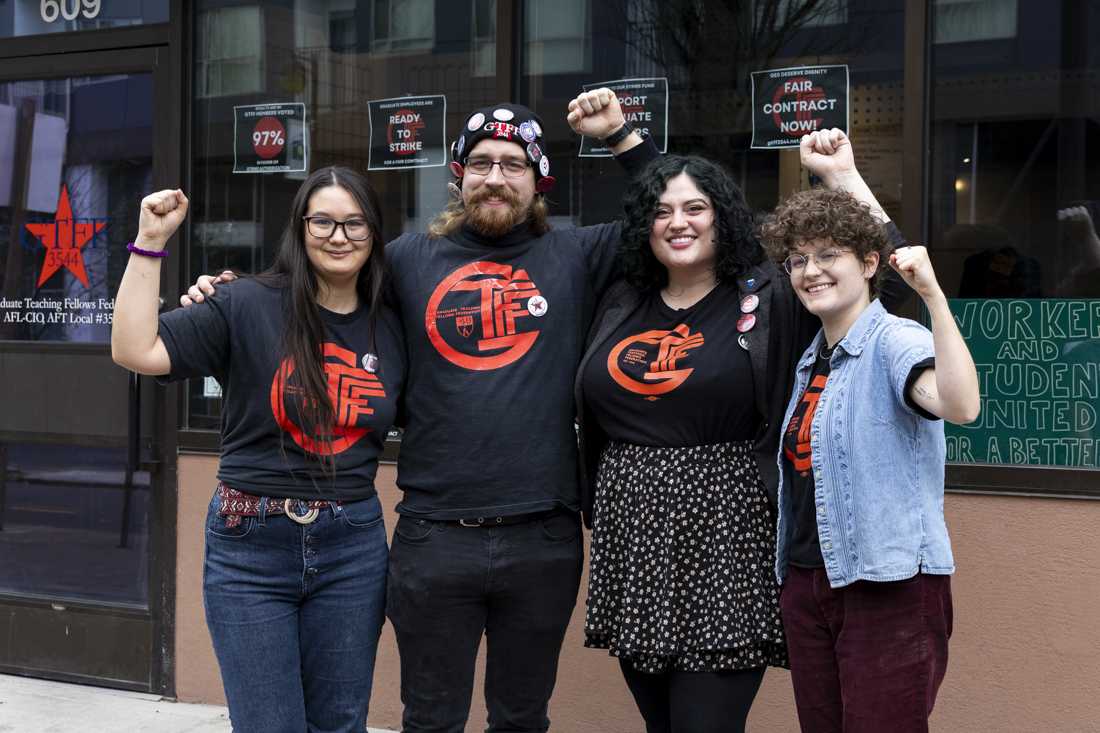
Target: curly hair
(831,215)
(736,246)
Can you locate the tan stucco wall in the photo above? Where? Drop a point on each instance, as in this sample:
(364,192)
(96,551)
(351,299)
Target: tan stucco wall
(1025,656)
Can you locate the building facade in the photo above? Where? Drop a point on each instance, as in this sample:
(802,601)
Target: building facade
(976,122)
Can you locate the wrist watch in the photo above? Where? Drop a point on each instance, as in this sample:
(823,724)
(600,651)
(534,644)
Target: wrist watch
(619,135)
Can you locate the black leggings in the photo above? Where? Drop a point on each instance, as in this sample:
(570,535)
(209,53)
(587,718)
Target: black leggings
(693,702)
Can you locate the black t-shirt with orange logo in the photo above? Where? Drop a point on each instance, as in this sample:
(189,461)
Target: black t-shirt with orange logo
(236,336)
(798,472)
(495,330)
(805,547)
(674,378)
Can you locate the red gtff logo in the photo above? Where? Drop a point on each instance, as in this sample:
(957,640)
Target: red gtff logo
(492,300)
(349,390)
(662,374)
(800,421)
(803,90)
(403,132)
(64,238)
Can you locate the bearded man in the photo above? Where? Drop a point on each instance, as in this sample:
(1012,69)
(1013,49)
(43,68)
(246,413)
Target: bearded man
(496,305)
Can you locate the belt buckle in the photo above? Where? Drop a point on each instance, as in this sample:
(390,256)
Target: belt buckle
(306,518)
(472,522)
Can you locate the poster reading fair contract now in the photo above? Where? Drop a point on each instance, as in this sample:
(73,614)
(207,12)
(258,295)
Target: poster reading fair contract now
(270,138)
(790,103)
(408,132)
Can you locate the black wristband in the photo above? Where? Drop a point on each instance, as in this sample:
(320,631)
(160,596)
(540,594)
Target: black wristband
(619,135)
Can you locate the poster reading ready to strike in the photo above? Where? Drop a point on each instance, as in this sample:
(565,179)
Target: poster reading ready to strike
(790,103)
(270,138)
(408,132)
(645,105)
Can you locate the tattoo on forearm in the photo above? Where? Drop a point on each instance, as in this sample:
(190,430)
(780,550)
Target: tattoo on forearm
(924,393)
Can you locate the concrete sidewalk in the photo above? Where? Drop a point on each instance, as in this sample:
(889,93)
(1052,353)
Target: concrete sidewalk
(41,706)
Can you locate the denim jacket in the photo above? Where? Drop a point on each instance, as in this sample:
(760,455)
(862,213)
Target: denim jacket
(878,466)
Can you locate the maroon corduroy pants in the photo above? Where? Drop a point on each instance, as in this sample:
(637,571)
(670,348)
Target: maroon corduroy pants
(868,657)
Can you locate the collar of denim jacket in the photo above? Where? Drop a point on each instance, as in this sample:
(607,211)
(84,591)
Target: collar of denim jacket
(862,330)
(853,341)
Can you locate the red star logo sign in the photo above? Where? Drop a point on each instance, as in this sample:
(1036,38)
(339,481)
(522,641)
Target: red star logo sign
(63,240)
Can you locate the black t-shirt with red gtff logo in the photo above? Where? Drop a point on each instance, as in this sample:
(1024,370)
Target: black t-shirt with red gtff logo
(236,336)
(675,378)
(495,331)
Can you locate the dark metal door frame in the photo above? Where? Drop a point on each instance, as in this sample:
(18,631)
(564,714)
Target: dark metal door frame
(157,50)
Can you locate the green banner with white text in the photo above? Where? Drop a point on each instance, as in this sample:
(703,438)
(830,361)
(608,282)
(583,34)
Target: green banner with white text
(1038,363)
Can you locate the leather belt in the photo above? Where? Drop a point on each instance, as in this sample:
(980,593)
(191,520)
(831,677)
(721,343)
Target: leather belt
(236,504)
(500,521)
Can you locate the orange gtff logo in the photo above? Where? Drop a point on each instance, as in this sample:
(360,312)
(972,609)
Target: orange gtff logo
(801,420)
(349,390)
(488,298)
(662,374)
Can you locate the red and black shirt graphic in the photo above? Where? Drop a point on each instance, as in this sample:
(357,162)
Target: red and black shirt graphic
(268,448)
(634,366)
(805,548)
(669,377)
(351,391)
(485,315)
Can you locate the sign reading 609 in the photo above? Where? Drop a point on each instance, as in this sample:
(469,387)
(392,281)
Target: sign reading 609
(51,10)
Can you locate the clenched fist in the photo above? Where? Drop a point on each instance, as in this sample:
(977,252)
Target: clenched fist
(161,215)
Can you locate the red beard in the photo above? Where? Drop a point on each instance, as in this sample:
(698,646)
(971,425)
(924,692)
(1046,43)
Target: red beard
(494,221)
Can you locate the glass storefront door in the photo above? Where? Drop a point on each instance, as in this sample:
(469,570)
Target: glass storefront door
(80,144)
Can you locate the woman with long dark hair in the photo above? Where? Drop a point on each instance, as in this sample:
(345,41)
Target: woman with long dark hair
(689,363)
(311,363)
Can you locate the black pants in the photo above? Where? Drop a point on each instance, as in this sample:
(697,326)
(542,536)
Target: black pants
(693,702)
(449,585)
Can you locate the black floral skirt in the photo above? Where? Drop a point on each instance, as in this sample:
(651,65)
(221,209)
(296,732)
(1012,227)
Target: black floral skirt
(682,560)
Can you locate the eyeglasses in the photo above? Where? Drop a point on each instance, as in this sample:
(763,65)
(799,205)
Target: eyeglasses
(322,227)
(510,167)
(824,259)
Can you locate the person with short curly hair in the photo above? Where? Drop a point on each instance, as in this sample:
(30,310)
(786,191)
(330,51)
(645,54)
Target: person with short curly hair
(824,214)
(862,550)
(689,364)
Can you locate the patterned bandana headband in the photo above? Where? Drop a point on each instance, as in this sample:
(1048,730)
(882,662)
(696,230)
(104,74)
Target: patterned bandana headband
(512,123)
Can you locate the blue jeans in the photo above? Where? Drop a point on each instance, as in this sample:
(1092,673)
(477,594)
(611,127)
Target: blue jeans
(295,612)
(449,585)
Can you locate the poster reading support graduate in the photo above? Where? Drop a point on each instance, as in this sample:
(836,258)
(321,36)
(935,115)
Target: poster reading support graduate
(790,103)
(408,132)
(645,105)
(270,138)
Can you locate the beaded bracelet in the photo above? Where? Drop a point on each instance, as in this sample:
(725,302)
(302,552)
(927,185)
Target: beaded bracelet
(146,252)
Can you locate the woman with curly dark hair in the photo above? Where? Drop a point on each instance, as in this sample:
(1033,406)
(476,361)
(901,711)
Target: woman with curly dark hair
(689,365)
(863,551)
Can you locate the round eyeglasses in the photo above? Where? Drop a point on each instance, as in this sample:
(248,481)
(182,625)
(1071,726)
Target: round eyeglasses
(510,167)
(824,259)
(323,227)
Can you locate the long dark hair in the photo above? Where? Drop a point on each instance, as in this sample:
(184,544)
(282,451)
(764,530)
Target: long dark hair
(304,334)
(735,242)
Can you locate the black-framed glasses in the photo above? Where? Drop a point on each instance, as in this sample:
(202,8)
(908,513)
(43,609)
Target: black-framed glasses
(323,227)
(824,259)
(510,167)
